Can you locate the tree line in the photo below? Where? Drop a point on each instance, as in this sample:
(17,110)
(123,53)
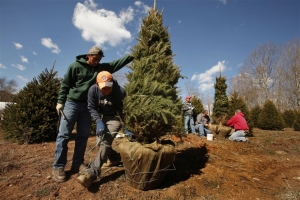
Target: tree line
(270,72)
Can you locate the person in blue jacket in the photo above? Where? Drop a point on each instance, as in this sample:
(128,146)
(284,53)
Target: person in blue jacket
(105,104)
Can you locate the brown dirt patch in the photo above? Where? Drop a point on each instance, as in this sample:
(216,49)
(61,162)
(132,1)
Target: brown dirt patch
(266,168)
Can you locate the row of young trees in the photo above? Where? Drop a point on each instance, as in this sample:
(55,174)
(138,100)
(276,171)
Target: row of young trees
(270,75)
(267,116)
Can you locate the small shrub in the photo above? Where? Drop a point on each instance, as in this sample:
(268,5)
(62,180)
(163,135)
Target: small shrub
(254,113)
(289,117)
(269,118)
(297,121)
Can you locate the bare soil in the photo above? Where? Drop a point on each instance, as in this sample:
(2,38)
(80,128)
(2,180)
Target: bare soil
(267,167)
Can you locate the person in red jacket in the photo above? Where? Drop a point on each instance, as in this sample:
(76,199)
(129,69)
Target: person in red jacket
(239,123)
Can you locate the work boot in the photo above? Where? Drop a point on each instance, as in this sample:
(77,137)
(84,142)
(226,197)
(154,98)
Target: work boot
(86,180)
(59,175)
(81,169)
(110,163)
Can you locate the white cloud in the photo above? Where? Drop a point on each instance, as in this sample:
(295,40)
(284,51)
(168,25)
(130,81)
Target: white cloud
(126,50)
(22,78)
(91,4)
(206,86)
(34,53)
(102,26)
(145,8)
(25,60)
(240,27)
(179,22)
(223,1)
(47,42)
(2,66)
(20,67)
(206,79)
(240,65)
(127,15)
(18,45)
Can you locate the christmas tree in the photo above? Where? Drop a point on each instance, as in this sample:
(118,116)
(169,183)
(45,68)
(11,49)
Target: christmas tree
(220,108)
(152,107)
(32,117)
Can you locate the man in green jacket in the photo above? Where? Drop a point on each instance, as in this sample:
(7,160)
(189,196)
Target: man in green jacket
(72,107)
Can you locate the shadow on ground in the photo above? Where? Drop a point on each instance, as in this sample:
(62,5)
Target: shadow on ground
(188,162)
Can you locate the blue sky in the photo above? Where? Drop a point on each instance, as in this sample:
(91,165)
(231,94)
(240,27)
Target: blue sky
(206,35)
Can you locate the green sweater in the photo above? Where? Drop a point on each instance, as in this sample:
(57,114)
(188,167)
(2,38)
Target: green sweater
(81,76)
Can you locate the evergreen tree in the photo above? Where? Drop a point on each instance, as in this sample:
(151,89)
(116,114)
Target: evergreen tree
(296,124)
(237,102)
(269,118)
(32,117)
(289,117)
(152,107)
(220,108)
(254,113)
(198,106)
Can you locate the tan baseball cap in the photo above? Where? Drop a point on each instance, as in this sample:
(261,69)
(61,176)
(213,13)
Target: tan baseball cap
(96,51)
(104,79)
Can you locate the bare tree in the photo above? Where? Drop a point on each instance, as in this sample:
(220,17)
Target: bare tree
(7,89)
(245,85)
(290,74)
(261,64)
(192,90)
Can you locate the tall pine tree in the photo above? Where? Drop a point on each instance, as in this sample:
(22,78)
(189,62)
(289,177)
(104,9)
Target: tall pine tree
(152,107)
(32,117)
(221,104)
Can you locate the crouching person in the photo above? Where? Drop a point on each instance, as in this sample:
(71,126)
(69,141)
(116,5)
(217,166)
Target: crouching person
(105,104)
(239,123)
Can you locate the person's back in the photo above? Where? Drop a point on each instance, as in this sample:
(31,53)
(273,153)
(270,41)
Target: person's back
(238,122)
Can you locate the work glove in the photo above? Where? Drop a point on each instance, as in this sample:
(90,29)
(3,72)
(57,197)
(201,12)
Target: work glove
(192,107)
(59,107)
(128,133)
(100,128)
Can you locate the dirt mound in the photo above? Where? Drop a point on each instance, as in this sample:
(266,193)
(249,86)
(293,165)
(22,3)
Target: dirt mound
(265,168)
